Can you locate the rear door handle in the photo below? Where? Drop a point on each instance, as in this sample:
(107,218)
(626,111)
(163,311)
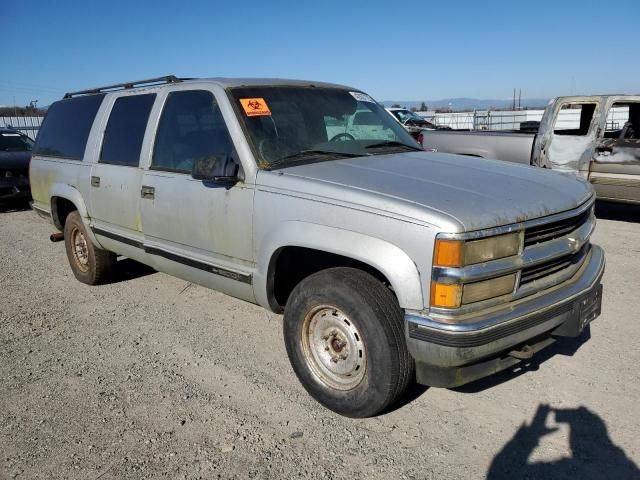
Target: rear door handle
(95,181)
(147,192)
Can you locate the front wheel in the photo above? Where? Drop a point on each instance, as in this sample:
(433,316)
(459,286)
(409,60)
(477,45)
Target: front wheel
(344,335)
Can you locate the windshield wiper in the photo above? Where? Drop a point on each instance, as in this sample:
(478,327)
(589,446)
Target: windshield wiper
(393,143)
(305,154)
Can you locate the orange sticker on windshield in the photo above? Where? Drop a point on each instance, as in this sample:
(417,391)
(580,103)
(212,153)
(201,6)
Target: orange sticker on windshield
(254,107)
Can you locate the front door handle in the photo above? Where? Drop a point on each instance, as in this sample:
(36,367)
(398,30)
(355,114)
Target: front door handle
(95,181)
(147,192)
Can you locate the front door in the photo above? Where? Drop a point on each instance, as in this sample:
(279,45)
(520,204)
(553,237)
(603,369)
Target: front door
(570,144)
(195,229)
(116,177)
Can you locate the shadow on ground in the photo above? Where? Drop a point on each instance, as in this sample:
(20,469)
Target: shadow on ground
(593,454)
(563,346)
(13,206)
(127,269)
(618,211)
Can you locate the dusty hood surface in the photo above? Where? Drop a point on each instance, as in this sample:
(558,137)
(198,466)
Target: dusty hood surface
(441,189)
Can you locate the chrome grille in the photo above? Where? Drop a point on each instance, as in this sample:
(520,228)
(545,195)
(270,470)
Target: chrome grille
(535,272)
(549,231)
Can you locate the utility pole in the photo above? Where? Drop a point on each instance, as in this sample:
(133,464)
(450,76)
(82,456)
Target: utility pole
(520,99)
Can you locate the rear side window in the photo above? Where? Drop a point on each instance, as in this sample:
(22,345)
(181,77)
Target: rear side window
(191,126)
(66,127)
(125,130)
(574,119)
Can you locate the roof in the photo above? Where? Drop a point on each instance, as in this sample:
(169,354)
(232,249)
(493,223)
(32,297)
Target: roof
(255,82)
(220,81)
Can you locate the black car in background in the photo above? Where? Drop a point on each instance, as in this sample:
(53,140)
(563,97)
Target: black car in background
(15,155)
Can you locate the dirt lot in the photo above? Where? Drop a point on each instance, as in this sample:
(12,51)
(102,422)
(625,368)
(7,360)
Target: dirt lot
(153,377)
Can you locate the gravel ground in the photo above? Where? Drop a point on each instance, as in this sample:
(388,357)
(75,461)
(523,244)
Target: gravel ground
(152,377)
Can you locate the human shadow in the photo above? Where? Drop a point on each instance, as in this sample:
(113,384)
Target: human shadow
(621,212)
(593,455)
(565,346)
(127,269)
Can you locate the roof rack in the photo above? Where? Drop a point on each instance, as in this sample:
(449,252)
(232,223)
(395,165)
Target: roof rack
(123,86)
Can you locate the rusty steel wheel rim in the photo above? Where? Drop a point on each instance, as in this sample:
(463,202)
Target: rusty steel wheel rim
(333,348)
(80,250)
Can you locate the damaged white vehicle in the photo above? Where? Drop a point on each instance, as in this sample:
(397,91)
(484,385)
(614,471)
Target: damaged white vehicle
(597,137)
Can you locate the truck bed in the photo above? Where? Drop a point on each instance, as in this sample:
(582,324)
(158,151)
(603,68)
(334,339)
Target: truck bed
(510,146)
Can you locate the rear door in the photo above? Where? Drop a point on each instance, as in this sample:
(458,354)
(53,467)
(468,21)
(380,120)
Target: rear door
(615,170)
(570,144)
(116,177)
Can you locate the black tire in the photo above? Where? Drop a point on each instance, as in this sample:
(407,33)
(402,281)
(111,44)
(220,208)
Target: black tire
(90,264)
(353,311)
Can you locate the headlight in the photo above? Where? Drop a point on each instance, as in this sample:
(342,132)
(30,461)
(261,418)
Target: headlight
(460,253)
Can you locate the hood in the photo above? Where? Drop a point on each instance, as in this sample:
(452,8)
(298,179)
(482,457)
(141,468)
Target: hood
(454,192)
(14,160)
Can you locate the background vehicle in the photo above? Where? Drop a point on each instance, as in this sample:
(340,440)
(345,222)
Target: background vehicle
(597,137)
(411,121)
(362,124)
(389,263)
(15,154)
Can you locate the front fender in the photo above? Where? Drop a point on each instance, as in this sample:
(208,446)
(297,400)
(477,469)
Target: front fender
(385,257)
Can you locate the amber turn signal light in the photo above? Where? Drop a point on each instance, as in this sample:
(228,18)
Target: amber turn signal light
(448,253)
(446,295)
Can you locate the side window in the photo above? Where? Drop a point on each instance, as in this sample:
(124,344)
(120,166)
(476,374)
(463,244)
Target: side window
(623,121)
(574,119)
(125,130)
(65,130)
(191,126)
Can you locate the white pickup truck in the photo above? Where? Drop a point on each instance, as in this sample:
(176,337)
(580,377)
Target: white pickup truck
(597,137)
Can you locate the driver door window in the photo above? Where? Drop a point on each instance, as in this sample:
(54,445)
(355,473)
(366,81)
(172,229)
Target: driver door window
(191,127)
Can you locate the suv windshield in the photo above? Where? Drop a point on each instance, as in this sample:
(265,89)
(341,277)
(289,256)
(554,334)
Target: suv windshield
(15,142)
(290,124)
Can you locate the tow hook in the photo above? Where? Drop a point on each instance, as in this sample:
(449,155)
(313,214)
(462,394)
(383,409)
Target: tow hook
(56,237)
(525,353)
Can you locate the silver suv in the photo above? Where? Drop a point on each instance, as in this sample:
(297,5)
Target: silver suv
(390,264)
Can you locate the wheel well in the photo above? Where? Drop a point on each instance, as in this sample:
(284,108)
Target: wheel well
(290,265)
(60,208)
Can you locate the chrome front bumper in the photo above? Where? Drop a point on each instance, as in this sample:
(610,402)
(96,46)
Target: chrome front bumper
(450,354)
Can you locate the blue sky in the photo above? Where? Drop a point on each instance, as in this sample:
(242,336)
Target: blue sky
(391,49)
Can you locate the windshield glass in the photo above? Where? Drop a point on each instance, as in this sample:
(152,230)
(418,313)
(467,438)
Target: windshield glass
(290,124)
(15,142)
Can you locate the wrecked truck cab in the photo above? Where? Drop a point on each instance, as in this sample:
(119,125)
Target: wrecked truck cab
(596,137)
(389,263)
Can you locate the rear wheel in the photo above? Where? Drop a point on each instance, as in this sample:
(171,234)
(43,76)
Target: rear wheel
(344,335)
(90,265)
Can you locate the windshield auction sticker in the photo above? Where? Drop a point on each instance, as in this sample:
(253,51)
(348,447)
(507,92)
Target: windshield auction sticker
(254,107)
(362,97)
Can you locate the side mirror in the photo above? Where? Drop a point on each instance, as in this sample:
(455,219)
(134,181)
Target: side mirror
(216,168)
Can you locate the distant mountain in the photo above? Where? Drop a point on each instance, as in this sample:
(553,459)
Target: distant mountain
(458,104)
